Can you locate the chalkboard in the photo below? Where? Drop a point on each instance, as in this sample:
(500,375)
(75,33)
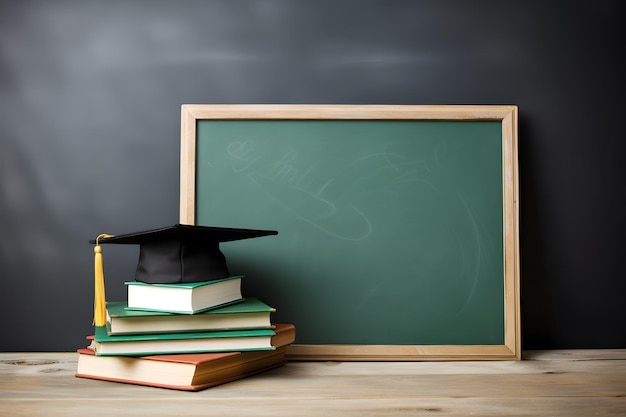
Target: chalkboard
(398,225)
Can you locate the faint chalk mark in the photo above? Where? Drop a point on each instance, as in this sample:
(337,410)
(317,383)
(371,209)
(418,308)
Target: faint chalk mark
(323,208)
(476,270)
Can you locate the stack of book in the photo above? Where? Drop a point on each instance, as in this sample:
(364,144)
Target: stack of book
(186,336)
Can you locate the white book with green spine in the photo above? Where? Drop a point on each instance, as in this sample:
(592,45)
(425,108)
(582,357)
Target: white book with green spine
(186,297)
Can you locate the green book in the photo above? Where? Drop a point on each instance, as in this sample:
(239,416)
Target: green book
(251,313)
(196,342)
(184,298)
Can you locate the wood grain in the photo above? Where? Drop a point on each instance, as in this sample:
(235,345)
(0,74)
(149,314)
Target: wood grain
(545,383)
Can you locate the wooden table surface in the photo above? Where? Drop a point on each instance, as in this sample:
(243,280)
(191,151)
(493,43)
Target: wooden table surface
(545,383)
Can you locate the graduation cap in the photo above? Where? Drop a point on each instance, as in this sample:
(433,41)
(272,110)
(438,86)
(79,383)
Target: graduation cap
(174,254)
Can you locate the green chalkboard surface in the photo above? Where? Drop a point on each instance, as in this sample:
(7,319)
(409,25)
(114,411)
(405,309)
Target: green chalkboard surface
(391,231)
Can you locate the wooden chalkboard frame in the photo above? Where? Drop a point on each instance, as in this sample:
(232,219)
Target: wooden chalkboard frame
(506,115)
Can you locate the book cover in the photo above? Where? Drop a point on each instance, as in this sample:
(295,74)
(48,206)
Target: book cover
(191,372)
(251,313)
(219,341)
(184,285)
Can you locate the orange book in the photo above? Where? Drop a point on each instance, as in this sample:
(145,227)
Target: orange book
(191,372)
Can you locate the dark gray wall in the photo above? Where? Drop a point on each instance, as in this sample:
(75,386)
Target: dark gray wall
(90,96)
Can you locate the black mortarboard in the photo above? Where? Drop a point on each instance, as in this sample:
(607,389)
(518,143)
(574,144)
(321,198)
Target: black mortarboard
(175,254)
(182,253)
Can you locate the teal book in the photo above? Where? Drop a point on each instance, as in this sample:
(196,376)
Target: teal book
(184,298)
(169,343)
(250,313)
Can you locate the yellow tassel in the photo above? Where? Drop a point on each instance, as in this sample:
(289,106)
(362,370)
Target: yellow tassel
(99,303)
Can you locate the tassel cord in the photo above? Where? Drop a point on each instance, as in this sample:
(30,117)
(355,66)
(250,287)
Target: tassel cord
(99,315)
